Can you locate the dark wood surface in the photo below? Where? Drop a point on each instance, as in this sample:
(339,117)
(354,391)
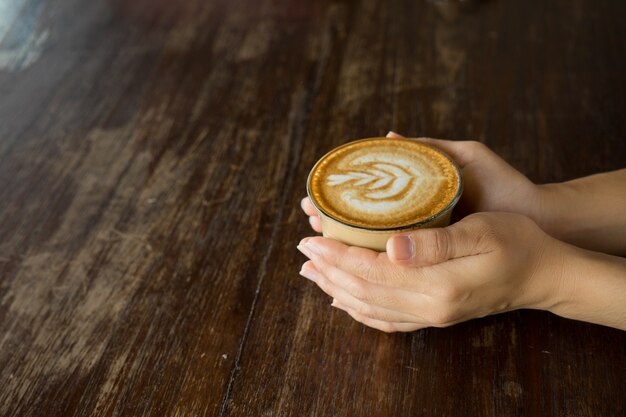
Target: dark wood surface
(152,158)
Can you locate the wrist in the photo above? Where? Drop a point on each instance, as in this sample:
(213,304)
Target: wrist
(543,285)
(588,286)
(534,201)
(549,210)
(586,212)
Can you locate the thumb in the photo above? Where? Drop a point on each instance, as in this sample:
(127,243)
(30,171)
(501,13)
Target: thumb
(424,247)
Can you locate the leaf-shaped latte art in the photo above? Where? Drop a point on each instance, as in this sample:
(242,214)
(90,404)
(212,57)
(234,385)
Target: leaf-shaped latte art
(377,181)
(383,184)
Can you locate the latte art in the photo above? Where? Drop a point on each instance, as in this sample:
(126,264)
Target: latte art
(380,187)
(383,183)
(378,181)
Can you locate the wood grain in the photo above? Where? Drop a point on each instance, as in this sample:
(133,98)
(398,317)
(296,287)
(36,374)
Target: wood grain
(152,159)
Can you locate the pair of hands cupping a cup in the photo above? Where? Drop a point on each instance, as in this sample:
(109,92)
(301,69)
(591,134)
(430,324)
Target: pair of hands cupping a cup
(509,253)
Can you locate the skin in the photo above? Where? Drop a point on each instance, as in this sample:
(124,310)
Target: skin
(510,252)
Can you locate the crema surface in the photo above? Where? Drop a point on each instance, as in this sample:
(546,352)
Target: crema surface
(384,183)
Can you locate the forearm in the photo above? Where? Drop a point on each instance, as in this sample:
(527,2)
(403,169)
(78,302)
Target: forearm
(589,212)
(591,288)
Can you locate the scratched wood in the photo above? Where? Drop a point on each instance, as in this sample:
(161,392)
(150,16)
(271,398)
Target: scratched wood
(152,158)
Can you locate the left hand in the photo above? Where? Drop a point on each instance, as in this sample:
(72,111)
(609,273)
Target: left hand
(489,182)
(486,263)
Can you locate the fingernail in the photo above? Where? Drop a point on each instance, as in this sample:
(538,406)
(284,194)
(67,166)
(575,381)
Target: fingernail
(312,247)
(403,247)
(304,250)
(339,306)
(309,274)
(303,241)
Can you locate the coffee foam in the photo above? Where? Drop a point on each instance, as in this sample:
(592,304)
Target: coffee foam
(383,183)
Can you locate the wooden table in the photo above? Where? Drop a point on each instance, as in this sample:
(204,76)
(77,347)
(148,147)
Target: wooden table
(152,159)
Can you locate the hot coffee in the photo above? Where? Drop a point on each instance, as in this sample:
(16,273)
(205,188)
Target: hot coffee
(367,190)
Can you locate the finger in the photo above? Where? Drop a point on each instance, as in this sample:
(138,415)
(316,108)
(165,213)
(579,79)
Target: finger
(471,236)
(364,263)
(423,309)
(463,152)
(385,326)
(457,150)
(308,207)
(389,304)
(394,135)
(316,224)
(310,271)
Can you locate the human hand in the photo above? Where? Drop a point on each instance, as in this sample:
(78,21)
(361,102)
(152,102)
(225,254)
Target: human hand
(486,263)
(490,184)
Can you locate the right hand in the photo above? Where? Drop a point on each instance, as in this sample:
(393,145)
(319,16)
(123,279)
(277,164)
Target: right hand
(486,263)
(490,184)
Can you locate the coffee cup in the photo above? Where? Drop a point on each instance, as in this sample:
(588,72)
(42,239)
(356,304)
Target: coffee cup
(368,190)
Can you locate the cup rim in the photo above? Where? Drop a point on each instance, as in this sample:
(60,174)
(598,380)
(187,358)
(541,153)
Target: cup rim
(416,225)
